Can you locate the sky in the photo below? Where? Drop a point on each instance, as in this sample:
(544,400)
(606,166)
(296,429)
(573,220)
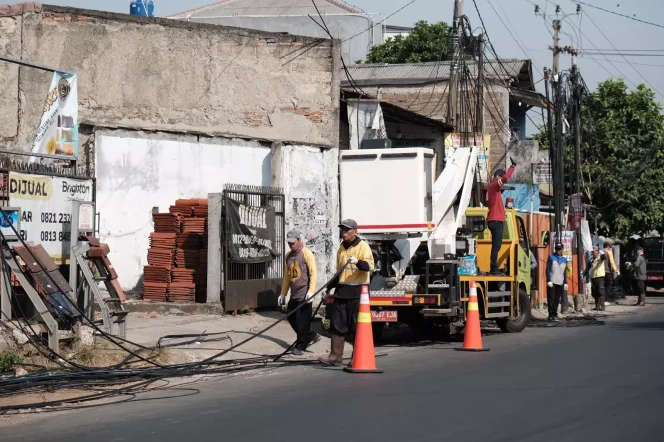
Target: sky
(516,32)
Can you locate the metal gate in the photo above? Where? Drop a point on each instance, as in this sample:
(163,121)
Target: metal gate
(254,285)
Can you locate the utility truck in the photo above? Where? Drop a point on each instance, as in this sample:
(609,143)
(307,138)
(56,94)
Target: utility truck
(429,244)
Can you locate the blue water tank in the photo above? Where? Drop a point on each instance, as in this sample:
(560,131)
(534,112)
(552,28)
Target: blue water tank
(144,8)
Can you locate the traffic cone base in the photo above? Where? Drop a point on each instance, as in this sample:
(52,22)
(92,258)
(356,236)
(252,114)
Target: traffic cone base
(364,358)
(472,337)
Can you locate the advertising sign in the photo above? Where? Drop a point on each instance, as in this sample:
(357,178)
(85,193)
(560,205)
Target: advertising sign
(481,141)
(8,218)
(46,208)
(57,134)
(566,238)
(252,232)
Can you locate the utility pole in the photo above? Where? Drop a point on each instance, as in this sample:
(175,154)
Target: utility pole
(556,46)
(577,181)
(479,111)
(556,154)
(457,29)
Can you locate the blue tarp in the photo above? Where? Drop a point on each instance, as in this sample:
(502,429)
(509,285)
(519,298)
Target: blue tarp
(522,194)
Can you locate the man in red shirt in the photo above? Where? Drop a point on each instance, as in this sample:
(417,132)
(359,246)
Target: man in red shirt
(496,216)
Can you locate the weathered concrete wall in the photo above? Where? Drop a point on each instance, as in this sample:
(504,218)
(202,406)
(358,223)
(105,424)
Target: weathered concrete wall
(308,176)
(341,27)
(432,101)
(167,75)
(138,171)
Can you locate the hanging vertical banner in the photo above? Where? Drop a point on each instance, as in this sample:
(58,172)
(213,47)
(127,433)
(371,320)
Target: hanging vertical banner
(378,123)
(57,134)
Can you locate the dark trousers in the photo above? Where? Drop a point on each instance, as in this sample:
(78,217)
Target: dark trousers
(553,296)
(640,290)
(300,322)
(608,285)
(496,229)
(343,317)
(597,286)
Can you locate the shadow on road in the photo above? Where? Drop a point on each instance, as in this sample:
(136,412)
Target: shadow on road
(655,325)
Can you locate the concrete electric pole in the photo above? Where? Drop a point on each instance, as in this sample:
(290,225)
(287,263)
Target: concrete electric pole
(457,30)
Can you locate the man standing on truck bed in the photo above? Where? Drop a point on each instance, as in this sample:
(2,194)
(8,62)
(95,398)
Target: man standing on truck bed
(496,218)
(300,278)
(356,255)
(640,277)
(556,280)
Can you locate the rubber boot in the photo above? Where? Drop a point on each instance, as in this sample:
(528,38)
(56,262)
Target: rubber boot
(336,351)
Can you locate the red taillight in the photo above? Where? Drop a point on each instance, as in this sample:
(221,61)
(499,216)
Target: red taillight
(427,300)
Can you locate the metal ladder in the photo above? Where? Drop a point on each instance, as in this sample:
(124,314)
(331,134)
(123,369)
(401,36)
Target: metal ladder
(111,307)
(498,301)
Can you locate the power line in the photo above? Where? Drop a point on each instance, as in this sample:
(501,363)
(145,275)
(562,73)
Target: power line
(510,32)
(619,14)
(610,62)
(625,58)
(380,22)
(621,54)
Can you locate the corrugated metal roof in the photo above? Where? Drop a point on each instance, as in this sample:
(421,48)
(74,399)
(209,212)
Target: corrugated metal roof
(272,8)
(417,73)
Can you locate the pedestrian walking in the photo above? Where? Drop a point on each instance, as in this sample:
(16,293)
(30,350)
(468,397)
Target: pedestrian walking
(556,280)
(496,218)
(300,279)
(356,255)
(610,270)
(597,276)
(640,277)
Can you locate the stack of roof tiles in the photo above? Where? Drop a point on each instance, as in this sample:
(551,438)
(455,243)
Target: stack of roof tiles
(177,258)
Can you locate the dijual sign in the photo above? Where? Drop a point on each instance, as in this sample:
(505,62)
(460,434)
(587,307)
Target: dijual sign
(57,134)
(46,209)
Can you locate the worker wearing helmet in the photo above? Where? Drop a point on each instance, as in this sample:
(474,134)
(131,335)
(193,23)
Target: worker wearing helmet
(556,280)
(356,259)
(496,218)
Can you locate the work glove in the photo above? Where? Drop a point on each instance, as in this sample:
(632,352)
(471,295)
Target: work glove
(309,298)
(352,260)
(549,284)
(565,287)
(601,252)
(281,300)
(513,162)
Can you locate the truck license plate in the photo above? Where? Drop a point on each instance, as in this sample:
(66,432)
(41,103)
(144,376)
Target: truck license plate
(384,316)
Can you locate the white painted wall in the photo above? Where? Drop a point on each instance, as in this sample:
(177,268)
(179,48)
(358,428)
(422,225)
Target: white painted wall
(138,171)
(309,178)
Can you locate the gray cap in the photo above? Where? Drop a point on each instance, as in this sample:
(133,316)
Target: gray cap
(349,224)
(293,236)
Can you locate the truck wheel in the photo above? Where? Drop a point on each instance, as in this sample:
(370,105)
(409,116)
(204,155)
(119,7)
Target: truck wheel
(377,329)
(519,323)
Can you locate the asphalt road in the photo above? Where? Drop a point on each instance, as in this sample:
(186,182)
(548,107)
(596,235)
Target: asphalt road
(578,383)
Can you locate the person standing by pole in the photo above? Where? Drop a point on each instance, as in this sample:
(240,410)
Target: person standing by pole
(610,270)
(597,277)
(357,258)
(640,277)
(556,280)
(496,218)
(300,278)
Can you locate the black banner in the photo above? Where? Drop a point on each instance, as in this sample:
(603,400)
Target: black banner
(251,231)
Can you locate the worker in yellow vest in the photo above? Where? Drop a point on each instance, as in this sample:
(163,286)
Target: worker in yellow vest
(597,274)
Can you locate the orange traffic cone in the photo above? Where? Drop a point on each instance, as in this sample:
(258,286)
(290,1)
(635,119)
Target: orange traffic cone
(364,358)
(472,339)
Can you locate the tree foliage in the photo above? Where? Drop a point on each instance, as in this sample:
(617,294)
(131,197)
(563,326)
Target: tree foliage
(425,42)
(622,158)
